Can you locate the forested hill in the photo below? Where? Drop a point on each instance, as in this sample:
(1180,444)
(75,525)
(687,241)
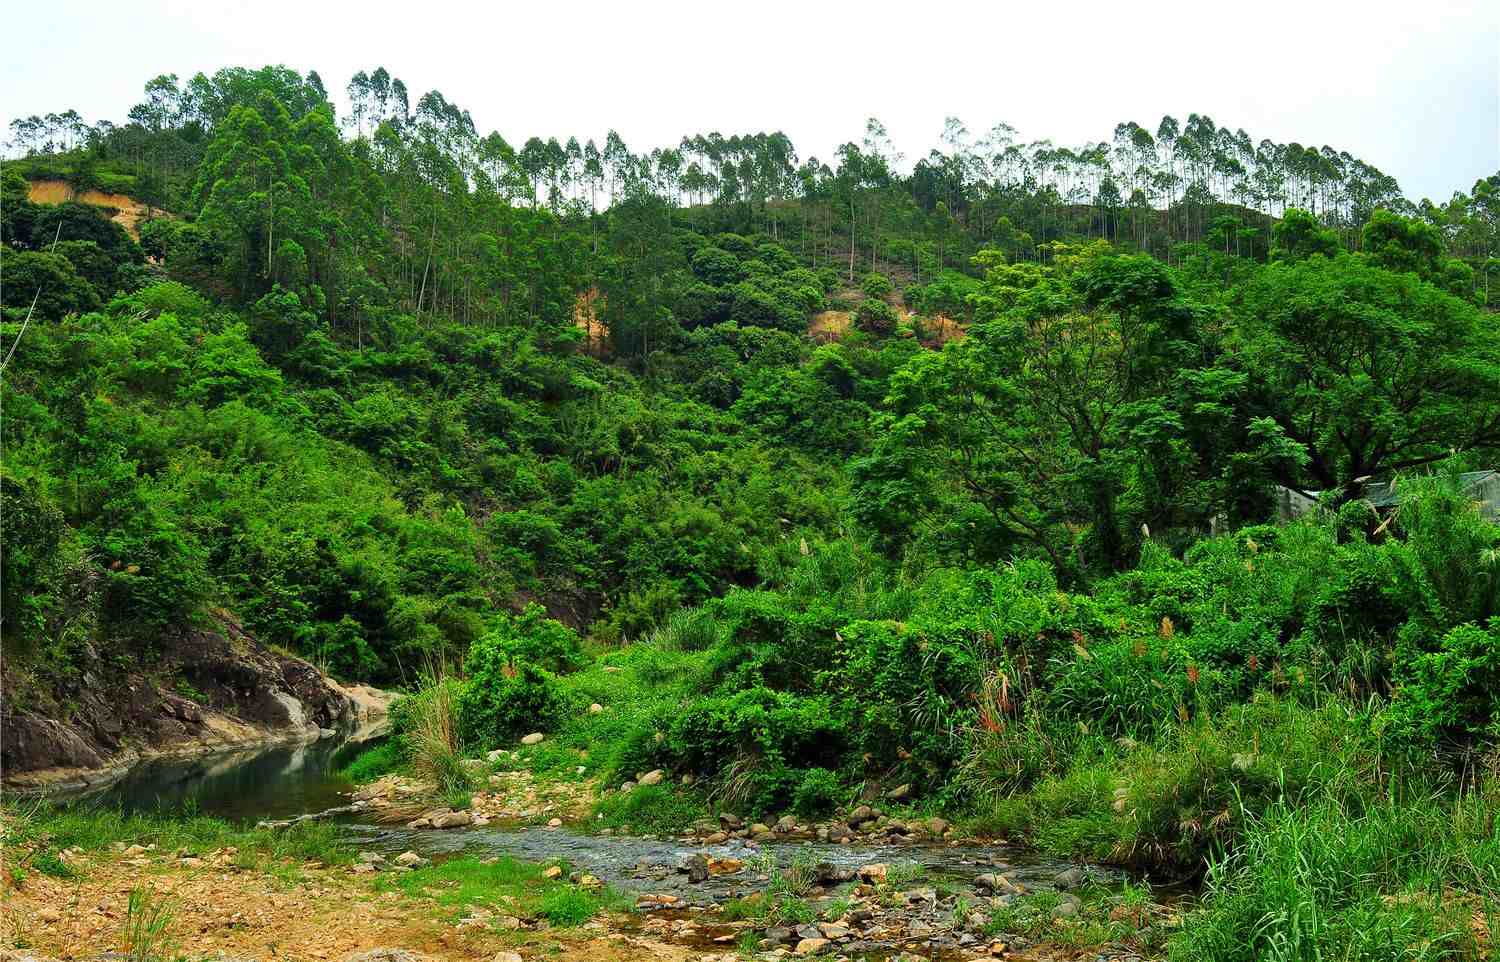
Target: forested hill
(789,484)
(382,377)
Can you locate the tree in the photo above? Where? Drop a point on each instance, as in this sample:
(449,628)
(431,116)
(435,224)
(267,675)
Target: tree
(1370,371)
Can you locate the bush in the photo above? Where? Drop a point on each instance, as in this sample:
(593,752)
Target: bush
(876,317)
(503,699)
(818,794)
(1451,694)
(877,286)
(532,637)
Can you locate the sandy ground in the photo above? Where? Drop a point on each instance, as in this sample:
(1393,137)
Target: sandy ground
(312,913)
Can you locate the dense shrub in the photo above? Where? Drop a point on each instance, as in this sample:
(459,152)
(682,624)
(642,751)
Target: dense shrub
(876,316)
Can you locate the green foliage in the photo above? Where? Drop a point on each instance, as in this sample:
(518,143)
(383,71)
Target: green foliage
(505,699)
(650,810)
(876,317)
(372,763)
(877,285)
(1452,693)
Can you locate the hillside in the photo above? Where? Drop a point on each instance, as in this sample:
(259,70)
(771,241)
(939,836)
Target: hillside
(742,509)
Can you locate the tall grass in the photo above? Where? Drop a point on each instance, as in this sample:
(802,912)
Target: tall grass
(428,721)
(1327,881)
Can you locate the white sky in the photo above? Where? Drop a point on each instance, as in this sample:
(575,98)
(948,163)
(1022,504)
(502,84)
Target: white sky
(1412,88)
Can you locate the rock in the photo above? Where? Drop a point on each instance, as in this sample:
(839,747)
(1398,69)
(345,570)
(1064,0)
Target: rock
(535,738)
(919,930)
(724,866)
(371,857)
(899,793)
(1067,908)
(730,822)
(936,826)
(410,859)
(1069,879)
(778,934)
(595,708)
(995,882)
(611,669)
(589,882)
(554,823)
(134,851)
(833,931)
(383,955)
(362,868)
(874,873)
(494,755)
(838,832)
(827,872)
(552,871)
(697,868)
(627,787)
(509,922)
(653,777)
(760,828)
(811,947)
(507,956)
(786,824)
(716,838)
(451,820)
(688,779)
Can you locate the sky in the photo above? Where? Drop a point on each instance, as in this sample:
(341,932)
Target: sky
(1411,88)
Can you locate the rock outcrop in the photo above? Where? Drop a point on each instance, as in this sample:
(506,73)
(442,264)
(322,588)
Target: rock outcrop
(213,688)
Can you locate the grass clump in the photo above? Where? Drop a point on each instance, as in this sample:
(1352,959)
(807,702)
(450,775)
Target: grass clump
(427,723)
(147,918)
(372,763)
(650,810)
(465,883)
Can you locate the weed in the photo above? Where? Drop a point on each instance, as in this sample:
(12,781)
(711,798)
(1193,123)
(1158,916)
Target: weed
(147,918)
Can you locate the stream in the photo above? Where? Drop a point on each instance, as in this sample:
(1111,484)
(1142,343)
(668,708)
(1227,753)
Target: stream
(288,781)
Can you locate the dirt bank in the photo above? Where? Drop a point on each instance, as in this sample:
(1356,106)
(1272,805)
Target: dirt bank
(128,212)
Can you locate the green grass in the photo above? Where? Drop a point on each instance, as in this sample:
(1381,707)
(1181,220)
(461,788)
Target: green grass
(650,810)
(461,884)
(372,763)
(53,828)
(1394,881)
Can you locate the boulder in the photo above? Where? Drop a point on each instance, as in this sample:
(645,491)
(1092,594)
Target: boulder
(874,873)
(697,868)
(410,859)
(595,708)
(1069,879)
(861,815)
(899,793)
(451,820)
(535,738)
(653,777)
(811,947)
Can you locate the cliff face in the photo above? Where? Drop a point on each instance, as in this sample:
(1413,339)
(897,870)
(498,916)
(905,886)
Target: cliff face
(214,688)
